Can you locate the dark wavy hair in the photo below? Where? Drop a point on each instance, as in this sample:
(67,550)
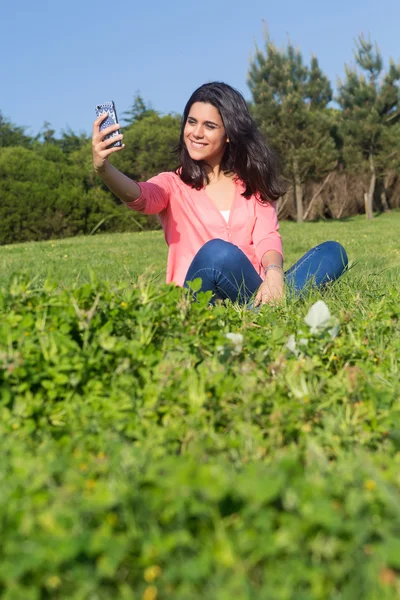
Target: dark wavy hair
(247,155)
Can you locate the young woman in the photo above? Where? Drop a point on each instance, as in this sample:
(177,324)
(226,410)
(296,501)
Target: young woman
(217,209)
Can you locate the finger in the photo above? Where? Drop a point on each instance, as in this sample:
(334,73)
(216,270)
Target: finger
(112,140)
(273,299)
(98,145)
(105,153)
(266,298)
(115,149)
(101,117)
(102,132)
(98,121)
(110,129)
(257,299)
(99,135)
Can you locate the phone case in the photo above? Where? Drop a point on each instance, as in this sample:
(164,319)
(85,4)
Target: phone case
(111,120)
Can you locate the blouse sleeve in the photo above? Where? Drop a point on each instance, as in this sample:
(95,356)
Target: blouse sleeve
(154,197)
(266,234)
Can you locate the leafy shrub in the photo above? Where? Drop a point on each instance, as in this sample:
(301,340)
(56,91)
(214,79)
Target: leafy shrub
(149,453)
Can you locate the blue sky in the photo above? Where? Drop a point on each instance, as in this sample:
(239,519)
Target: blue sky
(59,59)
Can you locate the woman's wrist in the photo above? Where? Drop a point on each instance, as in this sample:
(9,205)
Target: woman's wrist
(273,267)
(101,169)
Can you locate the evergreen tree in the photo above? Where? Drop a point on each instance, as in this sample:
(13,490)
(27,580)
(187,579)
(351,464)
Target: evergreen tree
(149,144)
(47,134)
(290,100)
(370,103)
(11,135)
(137,111)
(71,142)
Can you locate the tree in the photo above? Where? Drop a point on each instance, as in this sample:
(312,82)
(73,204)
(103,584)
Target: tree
(71,141)
(370,103)
(137,111)
(290,100)
(46,134)
(149,144)
(11,135)
(44,198)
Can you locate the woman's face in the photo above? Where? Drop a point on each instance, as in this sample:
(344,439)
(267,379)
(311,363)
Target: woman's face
(204,133)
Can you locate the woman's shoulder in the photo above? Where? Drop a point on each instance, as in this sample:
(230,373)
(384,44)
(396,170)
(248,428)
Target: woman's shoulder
(168,178)
(254,197)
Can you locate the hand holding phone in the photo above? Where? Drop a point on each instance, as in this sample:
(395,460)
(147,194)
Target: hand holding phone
(105,128)
(102,109)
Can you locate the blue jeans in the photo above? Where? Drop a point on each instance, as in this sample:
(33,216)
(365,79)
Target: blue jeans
(227,272)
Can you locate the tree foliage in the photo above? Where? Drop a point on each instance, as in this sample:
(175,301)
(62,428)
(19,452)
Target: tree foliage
(49,190)
(370,103)
(12,135)
(290,99)
(348,154)
(137,111)
(149,146)
(43,198)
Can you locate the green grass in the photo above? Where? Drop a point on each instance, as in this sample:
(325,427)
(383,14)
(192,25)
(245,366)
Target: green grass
(68,262)
(147,456)
(118,257)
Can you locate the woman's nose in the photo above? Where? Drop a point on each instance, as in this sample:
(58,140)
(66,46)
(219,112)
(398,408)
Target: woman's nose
(198,131)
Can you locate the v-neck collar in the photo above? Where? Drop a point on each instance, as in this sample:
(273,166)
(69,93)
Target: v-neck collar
(235,194)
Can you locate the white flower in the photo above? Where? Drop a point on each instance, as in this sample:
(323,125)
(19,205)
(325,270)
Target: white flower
(334,331)
(237,341)
(318,317)
(291,344)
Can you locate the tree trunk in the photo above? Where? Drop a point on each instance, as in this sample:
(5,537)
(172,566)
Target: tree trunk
(384,200)
(282,202)
(327,178)
(345,198)
(298,192)
(369,198)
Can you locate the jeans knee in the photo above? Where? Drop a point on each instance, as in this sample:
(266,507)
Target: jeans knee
(335,252)
(216,251)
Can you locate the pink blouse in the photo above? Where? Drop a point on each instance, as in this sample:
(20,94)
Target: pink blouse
(190,219)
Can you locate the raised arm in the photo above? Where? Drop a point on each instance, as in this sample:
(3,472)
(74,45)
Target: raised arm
(122,186)
(148,198)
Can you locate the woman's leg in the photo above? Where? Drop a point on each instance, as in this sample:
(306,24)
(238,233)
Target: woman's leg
(228,273)
(318,266)
(225,270)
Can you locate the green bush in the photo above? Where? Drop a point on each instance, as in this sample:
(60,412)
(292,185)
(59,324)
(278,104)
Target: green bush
(43,196)
(149,453)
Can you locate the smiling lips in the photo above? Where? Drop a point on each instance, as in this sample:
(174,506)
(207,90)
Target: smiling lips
(197,144)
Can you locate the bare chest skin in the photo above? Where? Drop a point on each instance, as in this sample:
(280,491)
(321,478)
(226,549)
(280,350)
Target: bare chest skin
(222,193)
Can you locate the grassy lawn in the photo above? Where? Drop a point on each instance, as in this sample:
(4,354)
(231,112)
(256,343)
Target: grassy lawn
(118,257)
(153,448)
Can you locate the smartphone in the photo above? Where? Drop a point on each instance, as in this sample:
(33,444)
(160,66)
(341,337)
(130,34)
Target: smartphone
(109,107)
